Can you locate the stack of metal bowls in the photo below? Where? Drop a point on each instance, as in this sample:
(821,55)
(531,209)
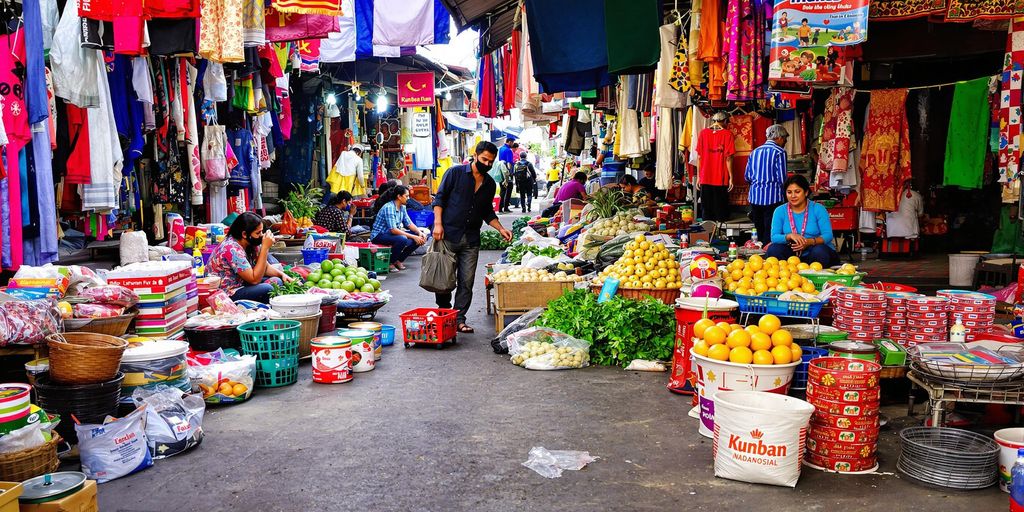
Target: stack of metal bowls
(948,457)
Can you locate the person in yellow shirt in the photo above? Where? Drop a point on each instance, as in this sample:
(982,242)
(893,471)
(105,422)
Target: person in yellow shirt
(804,32)
(554,175)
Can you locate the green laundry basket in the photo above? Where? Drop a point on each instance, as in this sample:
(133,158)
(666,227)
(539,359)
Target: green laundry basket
(275,343)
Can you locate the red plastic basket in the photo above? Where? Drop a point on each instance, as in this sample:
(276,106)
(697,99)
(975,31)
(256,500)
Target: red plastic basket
(891,287)
(428,325)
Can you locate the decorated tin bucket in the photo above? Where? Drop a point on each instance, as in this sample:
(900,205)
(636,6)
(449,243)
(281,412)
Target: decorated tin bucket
(332,359)
(375,328)
(362,349)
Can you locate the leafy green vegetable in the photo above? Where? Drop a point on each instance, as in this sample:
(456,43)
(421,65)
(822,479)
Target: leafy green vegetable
(296,287)
(516,252)
(304,201)
(605,202)
(518,226)
(620,329)
(492,241)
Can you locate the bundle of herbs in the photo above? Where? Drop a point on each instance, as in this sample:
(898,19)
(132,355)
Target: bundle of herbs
(620,329)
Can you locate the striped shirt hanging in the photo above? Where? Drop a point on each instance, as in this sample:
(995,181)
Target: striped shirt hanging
(766,170)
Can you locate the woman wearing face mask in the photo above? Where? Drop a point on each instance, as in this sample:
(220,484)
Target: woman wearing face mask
(393,227)
(801,227)
(241,261)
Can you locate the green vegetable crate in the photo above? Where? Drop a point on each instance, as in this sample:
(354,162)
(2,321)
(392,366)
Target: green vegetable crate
(372,257)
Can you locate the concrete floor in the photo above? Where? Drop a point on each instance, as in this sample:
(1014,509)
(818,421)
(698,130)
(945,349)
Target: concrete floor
(447,430)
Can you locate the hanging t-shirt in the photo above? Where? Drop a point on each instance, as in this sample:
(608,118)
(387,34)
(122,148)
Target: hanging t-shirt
(967,139)
(710,41)
(715,148)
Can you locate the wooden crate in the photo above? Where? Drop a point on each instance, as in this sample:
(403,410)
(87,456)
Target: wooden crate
(520,296)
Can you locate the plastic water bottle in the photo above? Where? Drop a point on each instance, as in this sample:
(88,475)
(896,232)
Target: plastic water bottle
(753,236)
(958,333)
(1017,483)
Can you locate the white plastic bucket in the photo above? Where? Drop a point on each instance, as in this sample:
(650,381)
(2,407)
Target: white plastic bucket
(760,437)
(714,376)
(1009,440)
(961,269)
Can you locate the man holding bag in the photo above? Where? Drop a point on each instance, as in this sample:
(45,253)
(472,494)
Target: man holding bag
(462,204)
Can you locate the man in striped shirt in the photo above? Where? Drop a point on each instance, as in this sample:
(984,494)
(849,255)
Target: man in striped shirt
(766,170)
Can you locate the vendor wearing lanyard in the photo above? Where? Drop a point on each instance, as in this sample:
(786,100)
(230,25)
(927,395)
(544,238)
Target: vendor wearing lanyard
(801,227)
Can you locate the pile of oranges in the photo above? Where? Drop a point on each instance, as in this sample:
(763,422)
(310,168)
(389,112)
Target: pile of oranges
(759,275)
(765,343)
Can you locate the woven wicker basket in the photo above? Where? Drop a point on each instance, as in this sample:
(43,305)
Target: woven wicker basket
(111,326)
(308,327)
(84,357)
(666,296)
(22,465)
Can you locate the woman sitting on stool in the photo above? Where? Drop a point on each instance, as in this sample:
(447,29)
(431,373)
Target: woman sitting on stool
(393,227)
(802,227)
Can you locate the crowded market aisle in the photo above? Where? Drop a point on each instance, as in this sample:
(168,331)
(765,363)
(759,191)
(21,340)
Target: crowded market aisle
(448,430)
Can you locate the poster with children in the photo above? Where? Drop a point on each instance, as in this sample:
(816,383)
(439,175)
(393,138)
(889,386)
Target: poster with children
(809,39)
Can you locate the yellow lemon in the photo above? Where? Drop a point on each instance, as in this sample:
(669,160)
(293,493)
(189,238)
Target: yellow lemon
(763,357)
(741,355)
(725,326)
(700,348)
(782,355)
(760,287)
(739,338)
(772,282)
(803,266)
(743,291)
(797,351)
(769,324)
(760,341)
(808,287)
(771,259)
(816,266)
(714,335)
(755,265)
(752,329)
(719,352)
(701,325)
(736,274)
(793,260)
(782,338)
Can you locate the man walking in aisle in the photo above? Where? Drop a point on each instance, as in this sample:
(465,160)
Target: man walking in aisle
(766,170)
(526,176)
(461,206)
(506,160)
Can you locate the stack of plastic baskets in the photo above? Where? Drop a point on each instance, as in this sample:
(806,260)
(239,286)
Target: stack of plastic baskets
(800,374)
(275,343)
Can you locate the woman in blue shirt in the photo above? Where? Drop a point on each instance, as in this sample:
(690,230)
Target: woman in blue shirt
(802,227)
(394,228)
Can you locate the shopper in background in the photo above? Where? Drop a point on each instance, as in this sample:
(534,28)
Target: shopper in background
(766,170)
(525,175)
(504,163)
(241,261)
(801,227)
(335,217)
(347,173)
(461,206)
(648,182)
(394,228)
(554,175)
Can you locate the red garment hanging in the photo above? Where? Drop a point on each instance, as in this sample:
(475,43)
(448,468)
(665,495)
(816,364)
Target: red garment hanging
(488,100)
(510,60)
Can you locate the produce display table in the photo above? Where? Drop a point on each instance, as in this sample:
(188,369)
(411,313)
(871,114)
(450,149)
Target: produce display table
(939,395)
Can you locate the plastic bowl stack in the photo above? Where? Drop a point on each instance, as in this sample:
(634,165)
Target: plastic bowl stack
(976,310)
(860,312)
(896,317)
(927,320)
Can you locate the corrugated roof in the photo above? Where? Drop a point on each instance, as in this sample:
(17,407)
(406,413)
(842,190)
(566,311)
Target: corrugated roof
(495,19)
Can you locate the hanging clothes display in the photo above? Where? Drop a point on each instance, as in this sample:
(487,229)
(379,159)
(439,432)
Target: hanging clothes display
(836,135)
(744,49)
(967,139)
(665,93)
(221,39)
(568,61)
(632,35)
(885,151)
(1010,103)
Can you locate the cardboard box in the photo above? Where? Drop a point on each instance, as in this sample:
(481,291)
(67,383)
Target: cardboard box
(82,501)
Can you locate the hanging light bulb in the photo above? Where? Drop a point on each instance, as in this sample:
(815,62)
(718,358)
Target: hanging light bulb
(331,99)
(447,95)
(382,100)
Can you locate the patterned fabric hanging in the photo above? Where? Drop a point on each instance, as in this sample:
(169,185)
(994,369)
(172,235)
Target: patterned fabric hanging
(885,154)
(836,133)
(1010,103)
(679,78)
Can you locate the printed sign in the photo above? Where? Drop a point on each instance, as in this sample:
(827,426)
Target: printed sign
(416,89)
(809,39)
(421,124)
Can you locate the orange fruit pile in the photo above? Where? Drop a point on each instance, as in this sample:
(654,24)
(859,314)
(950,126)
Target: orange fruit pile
(765,343)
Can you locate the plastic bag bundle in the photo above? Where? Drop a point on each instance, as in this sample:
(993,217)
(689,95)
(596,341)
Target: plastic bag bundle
(500,342)
(214,372)
(28,321)
(111,294)
(543,348)
(551,463)
(114,449)
(134,247)
(174,420)
(97,310)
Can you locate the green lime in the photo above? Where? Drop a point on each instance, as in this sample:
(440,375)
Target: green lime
(348,286)
(375,283)
(359,282)
(367,288)
(339,279)
(324,283)
(314,277)
(326,265)
(337,271)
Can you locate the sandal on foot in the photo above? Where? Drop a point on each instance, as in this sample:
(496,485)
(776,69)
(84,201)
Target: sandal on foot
(463,328)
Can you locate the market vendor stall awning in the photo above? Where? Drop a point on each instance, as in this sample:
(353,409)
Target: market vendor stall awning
(460,122)
(494,18)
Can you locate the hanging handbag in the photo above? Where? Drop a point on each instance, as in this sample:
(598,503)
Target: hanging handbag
(438,269)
